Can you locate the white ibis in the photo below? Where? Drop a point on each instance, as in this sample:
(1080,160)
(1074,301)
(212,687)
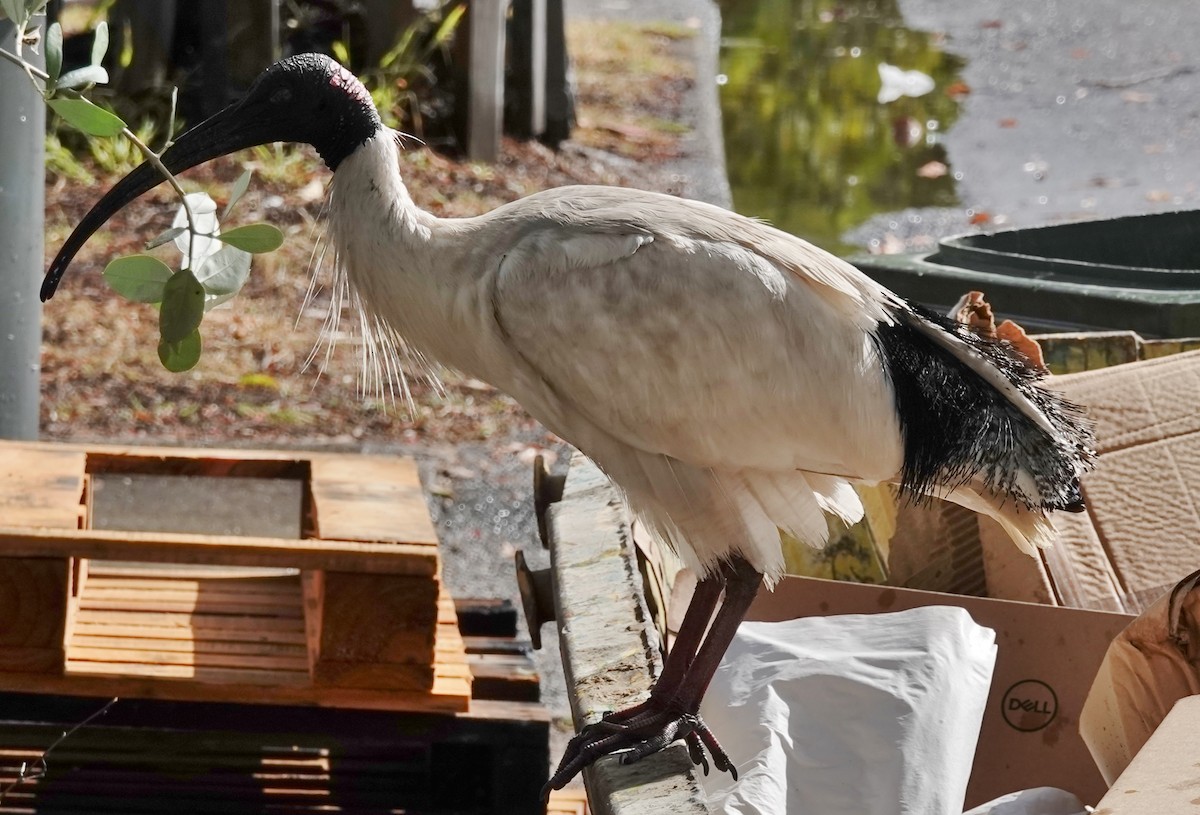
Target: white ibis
(730,378)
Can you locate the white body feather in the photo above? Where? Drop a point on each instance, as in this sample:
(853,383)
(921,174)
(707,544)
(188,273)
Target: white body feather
(721,372)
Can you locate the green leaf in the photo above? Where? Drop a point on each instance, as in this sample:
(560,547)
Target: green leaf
(180,356)
(225,271)
(166,237)
(239,189)
(54,46)
(14,11)
(196,247)
(87,75)
(83,115)
(444,31)
(140,278)
(182,306)
(253,238)
(100,43)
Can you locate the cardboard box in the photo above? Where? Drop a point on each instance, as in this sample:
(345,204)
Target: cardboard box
(1163,778)
(1046,659)
(1142,497)
(1141,531)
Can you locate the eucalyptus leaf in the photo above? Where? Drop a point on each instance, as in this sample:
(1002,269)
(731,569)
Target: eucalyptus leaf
(224,272)
(166,237)
(182,306)
(140,278)
(100,43)
(180,356)
(87,75)
(83,115)
(204,211)
(239,189)
(254,238)
(54,54)
(213,300)
(14,11)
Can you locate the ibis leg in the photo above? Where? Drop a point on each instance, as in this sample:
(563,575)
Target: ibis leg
(672,711)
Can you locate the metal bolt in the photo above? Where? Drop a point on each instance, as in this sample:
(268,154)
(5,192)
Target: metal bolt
(537,597)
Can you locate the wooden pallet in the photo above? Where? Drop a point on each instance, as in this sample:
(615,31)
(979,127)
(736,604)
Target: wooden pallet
(352,613)
(153,756)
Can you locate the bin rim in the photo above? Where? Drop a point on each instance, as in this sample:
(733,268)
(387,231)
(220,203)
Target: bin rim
(972,250)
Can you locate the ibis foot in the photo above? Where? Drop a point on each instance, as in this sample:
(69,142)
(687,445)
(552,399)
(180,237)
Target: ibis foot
(641,730)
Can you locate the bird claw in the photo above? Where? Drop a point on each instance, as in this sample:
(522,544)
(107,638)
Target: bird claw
(642,731)
(695,750)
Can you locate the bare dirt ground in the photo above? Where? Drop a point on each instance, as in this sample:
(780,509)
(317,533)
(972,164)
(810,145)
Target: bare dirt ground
(253,388)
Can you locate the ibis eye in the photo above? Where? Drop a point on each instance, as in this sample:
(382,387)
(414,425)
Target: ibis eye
(281,96)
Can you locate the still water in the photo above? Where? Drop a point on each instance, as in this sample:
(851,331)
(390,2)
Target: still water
(809,145)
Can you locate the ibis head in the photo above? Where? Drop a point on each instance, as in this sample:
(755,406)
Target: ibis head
(308,98)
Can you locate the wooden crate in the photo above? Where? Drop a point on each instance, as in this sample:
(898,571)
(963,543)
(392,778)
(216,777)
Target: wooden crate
(350,613)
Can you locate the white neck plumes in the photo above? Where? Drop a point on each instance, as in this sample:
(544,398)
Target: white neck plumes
(414,278)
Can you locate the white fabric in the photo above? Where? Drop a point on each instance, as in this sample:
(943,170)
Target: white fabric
(1037,801)
(873,714)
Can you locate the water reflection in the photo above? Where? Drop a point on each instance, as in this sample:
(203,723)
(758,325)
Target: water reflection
(808,145)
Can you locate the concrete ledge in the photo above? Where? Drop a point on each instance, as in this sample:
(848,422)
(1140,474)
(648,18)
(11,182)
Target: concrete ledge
(610,648)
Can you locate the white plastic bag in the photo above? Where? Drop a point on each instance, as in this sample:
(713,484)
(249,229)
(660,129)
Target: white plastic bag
(866,714)
(1037,801)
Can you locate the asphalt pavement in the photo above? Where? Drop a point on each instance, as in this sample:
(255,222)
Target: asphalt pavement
(1076,109)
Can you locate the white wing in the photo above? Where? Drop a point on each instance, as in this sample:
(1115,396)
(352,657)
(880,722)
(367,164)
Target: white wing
(702,349)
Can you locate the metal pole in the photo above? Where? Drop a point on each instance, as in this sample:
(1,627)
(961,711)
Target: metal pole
(486,19)
(537,56)
(22,216)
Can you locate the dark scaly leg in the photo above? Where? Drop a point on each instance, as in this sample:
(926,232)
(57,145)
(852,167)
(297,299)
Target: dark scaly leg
(683,651)
(741,586)
(671,712)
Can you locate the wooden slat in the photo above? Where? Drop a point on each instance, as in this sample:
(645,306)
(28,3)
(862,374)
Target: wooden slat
(312,584)
(377,619)
(446,695)
(116,656)
(203,623)
(495,645)
(283,638)
(166,547)
(187,646)
(567,802)
(213,463)
(370,498)
(40,485)
(214,675)
(125,570)
(100,586)
(204,605)
(33,612)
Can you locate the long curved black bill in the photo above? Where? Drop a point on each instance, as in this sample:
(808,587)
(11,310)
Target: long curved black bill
(225,132)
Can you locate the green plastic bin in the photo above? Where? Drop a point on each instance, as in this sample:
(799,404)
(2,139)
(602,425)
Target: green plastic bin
(1137,273)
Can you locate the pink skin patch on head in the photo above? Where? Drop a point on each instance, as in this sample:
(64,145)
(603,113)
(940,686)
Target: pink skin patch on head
(348,82)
